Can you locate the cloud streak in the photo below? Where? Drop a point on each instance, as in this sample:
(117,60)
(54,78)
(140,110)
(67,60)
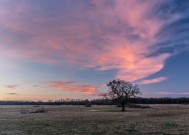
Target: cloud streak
(12,93)
(69,86)
(112,35)
(11,86)
(172,93)
(155,80)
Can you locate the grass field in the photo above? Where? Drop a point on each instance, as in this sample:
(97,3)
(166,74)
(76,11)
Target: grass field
(79,120)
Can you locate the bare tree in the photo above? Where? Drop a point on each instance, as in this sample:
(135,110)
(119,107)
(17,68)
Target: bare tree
(121,91)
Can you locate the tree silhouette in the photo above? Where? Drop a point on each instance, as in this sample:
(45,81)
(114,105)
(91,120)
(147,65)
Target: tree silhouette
(121,91)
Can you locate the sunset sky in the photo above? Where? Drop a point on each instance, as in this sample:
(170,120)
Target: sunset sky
(55,49)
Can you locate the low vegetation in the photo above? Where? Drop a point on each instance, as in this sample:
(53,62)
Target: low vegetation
(39,110)
(81,120)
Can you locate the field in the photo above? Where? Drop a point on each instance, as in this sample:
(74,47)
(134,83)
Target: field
(80,120)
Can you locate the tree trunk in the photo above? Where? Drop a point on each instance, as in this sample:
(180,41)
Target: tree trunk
(123,107)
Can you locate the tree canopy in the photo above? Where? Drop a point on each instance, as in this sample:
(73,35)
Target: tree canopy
(121,91)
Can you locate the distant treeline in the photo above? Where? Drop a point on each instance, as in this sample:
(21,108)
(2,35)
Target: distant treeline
(99,101)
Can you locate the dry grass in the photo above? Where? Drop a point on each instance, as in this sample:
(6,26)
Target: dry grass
(79,120)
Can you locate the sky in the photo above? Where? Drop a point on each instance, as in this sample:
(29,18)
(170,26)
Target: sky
(58,49)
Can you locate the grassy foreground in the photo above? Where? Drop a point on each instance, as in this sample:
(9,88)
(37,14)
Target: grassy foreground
(80,120)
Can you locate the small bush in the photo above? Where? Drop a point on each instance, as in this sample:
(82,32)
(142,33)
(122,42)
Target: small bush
(88,104)
(118,105)
(24,111)
(41,110)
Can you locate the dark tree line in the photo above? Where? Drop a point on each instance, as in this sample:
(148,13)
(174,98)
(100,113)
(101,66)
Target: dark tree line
(182,100)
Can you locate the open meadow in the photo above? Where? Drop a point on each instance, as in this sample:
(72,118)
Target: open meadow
(79,120)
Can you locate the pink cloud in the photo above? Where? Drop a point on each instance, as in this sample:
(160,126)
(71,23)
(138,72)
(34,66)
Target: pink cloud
(155,80)
(92,42)
(69,86)
(11,86)
(172,93)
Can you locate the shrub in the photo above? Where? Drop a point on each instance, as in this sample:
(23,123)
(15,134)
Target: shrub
(118,105)
(88,104)
(24,111)
(41,110)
